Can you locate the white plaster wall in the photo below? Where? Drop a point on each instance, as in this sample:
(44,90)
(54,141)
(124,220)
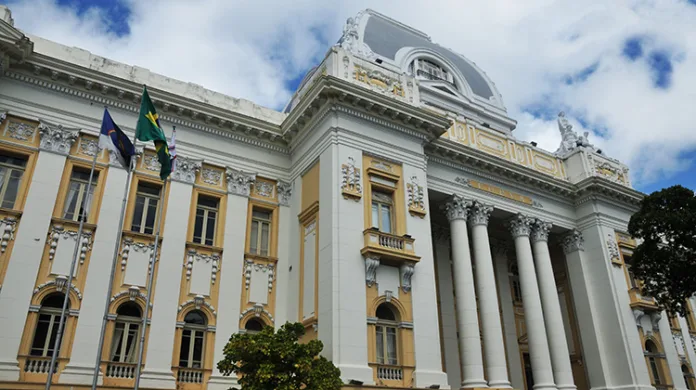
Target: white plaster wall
(200,277)
(230,279)
(258,288)
(388,280)
(62,260)
(137,267)
(30,241)
(87,333)
(287,222)
(158,372)
(512,347)
(424,297)
(291,295)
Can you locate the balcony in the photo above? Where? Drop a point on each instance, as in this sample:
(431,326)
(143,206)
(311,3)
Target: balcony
(38,365)
(120,370)
(392,375)
(190,375)
(390,248)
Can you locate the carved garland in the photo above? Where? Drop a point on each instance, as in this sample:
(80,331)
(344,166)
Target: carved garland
(211,176)
(250,266)
(198,301)
(139,247)
(613,249)
(60,283)
(257,309)
(193,255)
(416,198)
(58,231)
(350,180)
(8,228)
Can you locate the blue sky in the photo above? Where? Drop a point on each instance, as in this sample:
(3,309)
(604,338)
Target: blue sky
(624,71)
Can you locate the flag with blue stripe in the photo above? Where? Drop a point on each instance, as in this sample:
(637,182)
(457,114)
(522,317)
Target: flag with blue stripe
(112,138)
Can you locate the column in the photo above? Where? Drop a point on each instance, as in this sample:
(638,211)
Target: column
(160,345)
(467,316)
(520,227)
(558,345)
(84,349)
(493,344)
(238,188)
(30,241)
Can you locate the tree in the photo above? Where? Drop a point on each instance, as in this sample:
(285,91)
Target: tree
(665,260)
(271,360)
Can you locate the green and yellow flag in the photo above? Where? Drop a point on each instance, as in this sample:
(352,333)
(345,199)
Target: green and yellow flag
(149,129)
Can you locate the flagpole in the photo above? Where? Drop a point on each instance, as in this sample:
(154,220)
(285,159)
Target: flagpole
(112,276)
(68,286)
(150,282)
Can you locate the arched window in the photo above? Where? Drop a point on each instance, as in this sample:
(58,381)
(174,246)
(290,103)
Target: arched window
(426,69)
(124,345)
(193,340)
(386,332)
(653,355)
(688,377)
(253,326)
(47,325)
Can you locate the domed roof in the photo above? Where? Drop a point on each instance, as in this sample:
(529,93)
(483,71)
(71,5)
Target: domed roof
(385,37)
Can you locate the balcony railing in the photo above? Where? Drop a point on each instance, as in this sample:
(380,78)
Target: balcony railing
(190,375)
(389,247)
(390,373)
(39,365)
(120,370)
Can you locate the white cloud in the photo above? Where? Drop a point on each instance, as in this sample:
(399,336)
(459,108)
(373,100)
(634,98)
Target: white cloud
(251,49)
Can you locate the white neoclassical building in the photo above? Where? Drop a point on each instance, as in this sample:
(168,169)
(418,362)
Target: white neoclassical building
(389,208)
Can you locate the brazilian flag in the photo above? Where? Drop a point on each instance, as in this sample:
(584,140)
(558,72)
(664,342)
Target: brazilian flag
(149,129)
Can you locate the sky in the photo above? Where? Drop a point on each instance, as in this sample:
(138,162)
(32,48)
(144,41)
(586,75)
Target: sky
(624,70)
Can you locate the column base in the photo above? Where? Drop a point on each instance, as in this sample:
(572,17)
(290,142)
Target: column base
(362,374)
(500,385)
(567,387)
(628,387)
(9,371)
(426,379)
(218,382)
(157,379)
(545,386)
(474,384)
(79,375)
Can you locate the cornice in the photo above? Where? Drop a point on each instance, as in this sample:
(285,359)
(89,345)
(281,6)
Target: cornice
(595,188)
(361,102)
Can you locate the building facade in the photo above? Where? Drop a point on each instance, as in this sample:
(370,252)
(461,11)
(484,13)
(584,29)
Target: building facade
(389,208)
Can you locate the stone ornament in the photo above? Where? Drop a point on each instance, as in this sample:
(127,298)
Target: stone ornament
(613,249)
(7,227)
(239,183)
(211,176)
(257,309)
(58,231)
(457,208)
(128,245)
(198,301)
(88,147)
(20,131)
(679,342)
(251,266)
(151,163)
(350,180)
(406,271)
(612,171)
(186,170)
(655,318)
(371,264)
(693,342)
(3,116)
(573,242)
(540,230)
(284,193)
(378,81)
(195,256)
(133,293)
(416,198)
(520,225)
(350,40)
(570,140)
(264,188)
(480,213)
(54,283)
(56,138)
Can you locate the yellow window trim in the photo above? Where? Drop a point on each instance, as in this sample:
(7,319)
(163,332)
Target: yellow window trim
(306,218)
(389,172)
(95,207)
(219,222)
(132,193)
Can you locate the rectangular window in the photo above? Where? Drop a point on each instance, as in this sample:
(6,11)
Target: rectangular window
(206,219)
(147,198)
(124,343)
(382,212)
(386,344)
(80,194)
(11,172)
(191,353)
(45,335)
(260,241)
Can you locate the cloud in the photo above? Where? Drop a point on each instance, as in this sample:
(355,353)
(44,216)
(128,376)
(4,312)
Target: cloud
(623,70)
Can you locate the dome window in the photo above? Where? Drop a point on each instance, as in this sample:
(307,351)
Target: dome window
(428,70)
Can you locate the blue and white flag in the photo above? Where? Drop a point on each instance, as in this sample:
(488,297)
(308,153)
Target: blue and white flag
(112,138)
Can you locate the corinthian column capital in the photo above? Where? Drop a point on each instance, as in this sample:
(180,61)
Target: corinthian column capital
(457,208)
(573,242)
(480,213)
(540,230)
(520,225)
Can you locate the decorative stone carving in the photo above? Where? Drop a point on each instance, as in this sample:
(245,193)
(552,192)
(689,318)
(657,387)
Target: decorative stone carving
(679,342)
(3,116)
(462,180)
(257,309)
(371,264)
(194,256)
(693,342)
(350,180)
(350,40)
(151,163)
(655,318)
(263,188)
(251,266)
(637,315)
(416,198)
(388,295)
(480,213)
(20,131)
(573,242)
(379,81)
(457,208)
(613,249)
(61,281)
(58,231)
(211,176)
(239,182)
(186,169)
(609,169)
(88,147)
(129,245)
(540,230)
(53,283)
(133,293)
(284,193)
(406,271)
(7,226)
(520,225)
(198,303)
(570,140)
(56,138)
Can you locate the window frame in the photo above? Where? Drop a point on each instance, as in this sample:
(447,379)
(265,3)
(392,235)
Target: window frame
(47,349)
(204,225)
(11,168)
(159,211)
(381,204)
(194,330)
(128,322)
(84,189)
(383,326)
(272,221)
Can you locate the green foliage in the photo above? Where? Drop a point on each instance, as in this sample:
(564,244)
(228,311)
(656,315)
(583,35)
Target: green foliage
(666,259)
(271,360)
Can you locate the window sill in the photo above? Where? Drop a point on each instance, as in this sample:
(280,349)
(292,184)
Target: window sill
(70,222)
(210,248)
(267,259)
(12,212)
(141,235)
